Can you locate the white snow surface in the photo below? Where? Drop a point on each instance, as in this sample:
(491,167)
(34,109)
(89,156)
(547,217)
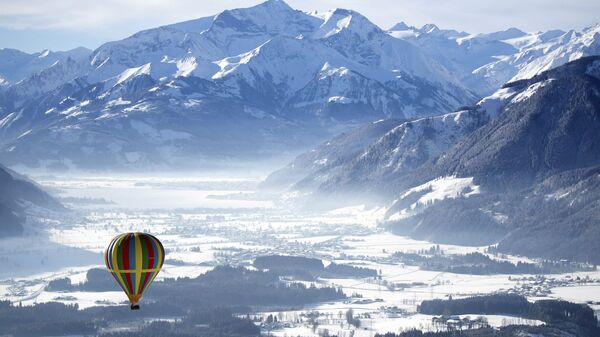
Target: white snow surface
(494,103)
(198,236)
(530,91)
(441,188)
(486,61)
(133,72)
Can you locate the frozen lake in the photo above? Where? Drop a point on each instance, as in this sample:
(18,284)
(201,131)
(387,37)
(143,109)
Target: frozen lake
(203,222)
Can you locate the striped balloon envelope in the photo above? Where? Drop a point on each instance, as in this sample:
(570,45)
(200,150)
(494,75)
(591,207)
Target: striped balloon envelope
(134,260)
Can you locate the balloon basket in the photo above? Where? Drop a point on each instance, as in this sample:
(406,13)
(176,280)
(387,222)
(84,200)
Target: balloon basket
(135,307)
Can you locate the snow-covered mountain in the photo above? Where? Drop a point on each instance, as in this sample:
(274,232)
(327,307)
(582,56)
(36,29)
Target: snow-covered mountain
(529,177)
(484,62)
(16,65)
(523,163)
(310,169)
(253,81)
(372,157)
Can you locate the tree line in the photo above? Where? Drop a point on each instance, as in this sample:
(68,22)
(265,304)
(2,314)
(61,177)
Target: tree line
(209,305)
(571,317)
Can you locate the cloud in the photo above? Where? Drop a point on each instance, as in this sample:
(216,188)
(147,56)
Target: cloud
(105,15)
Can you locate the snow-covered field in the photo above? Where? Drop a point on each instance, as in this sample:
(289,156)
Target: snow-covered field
(390,324)
(200,231)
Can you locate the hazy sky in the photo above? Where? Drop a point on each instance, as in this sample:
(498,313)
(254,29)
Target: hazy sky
(33,25)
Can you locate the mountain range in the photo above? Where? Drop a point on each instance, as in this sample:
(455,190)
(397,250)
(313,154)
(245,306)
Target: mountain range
(258,82)
(520,169)
(479,139)
(484,62)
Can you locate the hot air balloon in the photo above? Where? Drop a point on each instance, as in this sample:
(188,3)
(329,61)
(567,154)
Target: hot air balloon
(134,260)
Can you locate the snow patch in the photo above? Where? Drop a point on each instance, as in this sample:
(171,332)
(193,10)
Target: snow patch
(11,117)
(133,72)
(530,91)
(24,134)
(190,103)
(321,161)
(140,107)
(117,102)
(328,70)
(450,187)
(230,64)
(186,66)
(340,100)
(495,102)
(443,188)
(335,21)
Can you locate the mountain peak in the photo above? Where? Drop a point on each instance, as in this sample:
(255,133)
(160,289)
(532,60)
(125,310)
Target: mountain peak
(272,17)
(591,33)
(12,52)
(506,34)
(279,5)
(400,26)
(340,19)
(595,28)
(512,32)
(429,28)
(515,30)
(270,7)
(551,34)
(342,12)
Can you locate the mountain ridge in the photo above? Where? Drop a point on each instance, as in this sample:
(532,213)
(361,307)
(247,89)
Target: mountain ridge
(278,77)
(521,173)
(17,196)
(295,75)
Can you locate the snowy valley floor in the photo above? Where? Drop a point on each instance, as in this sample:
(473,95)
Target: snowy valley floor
(206,222)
